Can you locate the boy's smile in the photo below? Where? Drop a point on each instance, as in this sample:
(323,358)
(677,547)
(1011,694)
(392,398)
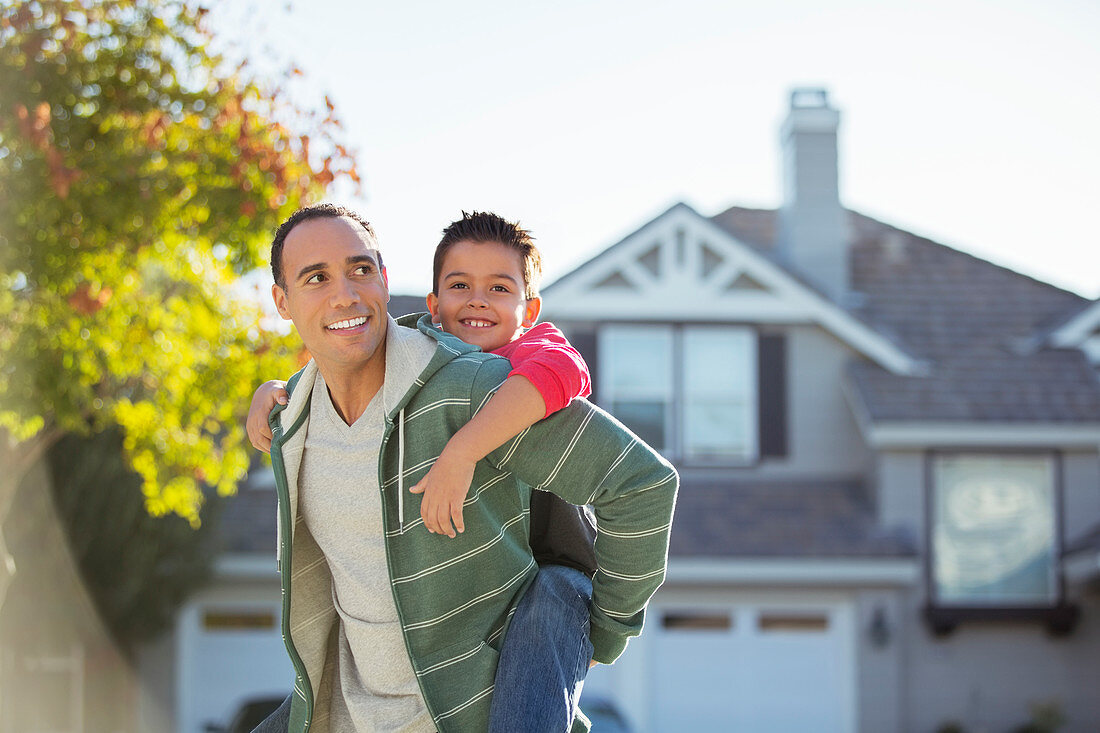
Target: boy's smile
(481,295)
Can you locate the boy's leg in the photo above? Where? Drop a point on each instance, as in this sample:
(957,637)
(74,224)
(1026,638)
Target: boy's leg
(545,655)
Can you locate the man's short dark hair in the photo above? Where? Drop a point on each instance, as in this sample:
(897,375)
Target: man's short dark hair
(317,211)
(483,227)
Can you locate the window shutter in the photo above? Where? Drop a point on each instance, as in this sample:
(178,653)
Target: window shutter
(772,381)
(585,342)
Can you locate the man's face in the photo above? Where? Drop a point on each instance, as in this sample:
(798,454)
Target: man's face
(481,295)
(335,294)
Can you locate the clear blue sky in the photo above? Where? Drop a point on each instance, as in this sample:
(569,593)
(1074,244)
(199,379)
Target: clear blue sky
(973,122)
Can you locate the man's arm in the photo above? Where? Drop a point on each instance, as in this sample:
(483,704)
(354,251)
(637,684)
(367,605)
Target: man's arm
(585,456)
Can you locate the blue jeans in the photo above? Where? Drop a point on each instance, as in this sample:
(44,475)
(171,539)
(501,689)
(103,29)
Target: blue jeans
(543,660)
(545,655)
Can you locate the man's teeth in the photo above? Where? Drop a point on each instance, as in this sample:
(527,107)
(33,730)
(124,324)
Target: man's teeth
(477,324)
(349,323)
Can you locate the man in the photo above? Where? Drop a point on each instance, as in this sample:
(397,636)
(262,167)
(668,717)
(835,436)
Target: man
(389,626)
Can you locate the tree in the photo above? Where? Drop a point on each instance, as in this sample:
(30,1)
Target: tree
(140,175)
(137,568)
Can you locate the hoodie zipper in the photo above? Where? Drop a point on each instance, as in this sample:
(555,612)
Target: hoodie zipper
(386,542)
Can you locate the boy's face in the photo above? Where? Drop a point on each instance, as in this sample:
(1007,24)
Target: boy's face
(481,295)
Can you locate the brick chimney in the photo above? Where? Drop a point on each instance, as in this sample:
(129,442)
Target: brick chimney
(813,228)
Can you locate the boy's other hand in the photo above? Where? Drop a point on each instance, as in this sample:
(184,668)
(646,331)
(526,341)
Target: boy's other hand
(263,402)
(445,487)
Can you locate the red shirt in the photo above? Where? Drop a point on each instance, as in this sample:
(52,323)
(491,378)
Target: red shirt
(557,370)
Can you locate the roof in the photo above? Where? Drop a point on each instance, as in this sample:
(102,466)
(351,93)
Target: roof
(246,523)
(973,322)
(682,266)
(399,305)
(716,517)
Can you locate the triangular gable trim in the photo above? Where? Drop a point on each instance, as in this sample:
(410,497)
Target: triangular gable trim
(681,266)
(1078,329)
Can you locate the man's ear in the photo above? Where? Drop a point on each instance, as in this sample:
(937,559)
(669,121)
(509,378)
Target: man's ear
(281,304)
(433,307)
(531,312)
(386,280)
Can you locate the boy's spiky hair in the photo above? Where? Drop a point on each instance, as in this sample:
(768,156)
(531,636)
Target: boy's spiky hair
(482,227)
(317,211)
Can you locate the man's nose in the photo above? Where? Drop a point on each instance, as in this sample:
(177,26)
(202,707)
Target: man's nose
(344,293)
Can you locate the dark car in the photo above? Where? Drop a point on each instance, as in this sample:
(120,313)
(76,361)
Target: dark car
(604,714)
(250,714)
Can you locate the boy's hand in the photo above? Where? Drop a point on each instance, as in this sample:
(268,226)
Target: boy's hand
(445,487)
(259,432)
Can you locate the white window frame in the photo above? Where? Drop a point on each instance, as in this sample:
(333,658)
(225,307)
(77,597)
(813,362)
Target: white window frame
(675,416)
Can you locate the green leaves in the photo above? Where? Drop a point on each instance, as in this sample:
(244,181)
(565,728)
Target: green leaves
(139,177)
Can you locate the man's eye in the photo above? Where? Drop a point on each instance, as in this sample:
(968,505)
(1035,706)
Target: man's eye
(364,269)
(316,277)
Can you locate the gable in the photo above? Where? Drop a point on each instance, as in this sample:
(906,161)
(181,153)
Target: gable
(682,267)
(1081,332)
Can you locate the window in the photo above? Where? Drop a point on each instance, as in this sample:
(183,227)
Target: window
(696,621)
(639,391)
(688,391)
(994,533)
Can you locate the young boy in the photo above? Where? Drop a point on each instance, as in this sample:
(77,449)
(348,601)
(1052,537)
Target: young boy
(486,272)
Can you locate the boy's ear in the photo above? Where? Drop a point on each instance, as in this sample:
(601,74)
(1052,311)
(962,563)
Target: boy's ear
(433,307)
(531,312)
(281,305)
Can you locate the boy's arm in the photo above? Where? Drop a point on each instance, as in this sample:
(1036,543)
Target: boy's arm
(585,456)
(547,374)
(263,402)
(516,406)
(557,370)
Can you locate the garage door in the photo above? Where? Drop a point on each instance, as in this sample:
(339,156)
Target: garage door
(230,651)
(768,665)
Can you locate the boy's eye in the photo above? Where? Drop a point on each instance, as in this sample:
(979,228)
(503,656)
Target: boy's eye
(458,286)
(500,288)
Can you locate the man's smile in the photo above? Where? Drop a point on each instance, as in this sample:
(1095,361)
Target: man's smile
(347,323)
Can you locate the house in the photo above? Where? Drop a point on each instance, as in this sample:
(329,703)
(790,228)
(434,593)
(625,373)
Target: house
(889,516)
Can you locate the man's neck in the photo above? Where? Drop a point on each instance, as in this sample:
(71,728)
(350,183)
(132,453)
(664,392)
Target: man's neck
(352,390)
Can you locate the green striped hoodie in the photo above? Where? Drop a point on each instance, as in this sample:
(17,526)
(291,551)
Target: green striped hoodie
(455,597)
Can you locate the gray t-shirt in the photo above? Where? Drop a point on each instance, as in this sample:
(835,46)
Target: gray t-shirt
(340,500)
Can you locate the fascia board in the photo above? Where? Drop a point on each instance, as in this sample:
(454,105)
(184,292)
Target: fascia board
(794,571)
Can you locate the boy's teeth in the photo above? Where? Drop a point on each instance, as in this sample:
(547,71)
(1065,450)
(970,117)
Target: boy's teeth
(349,323)
(478,324)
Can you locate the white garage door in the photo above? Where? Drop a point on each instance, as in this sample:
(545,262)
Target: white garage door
(769,665)
(231,649)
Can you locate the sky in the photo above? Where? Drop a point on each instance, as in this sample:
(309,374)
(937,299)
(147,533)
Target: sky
(972,122)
